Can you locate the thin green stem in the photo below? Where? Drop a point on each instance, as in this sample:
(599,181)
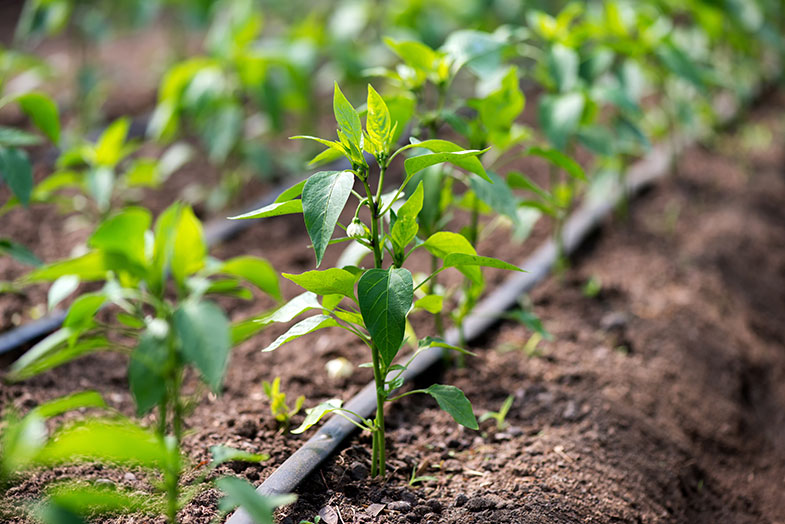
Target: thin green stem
(437,317)
(412,392)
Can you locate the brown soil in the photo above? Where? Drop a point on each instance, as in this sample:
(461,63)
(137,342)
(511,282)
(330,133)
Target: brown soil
(661,399)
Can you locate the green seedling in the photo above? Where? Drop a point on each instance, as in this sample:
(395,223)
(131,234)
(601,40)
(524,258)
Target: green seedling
(153,306)
(592,288)
(415,479)
(280,410)
(374,303)
(499,416)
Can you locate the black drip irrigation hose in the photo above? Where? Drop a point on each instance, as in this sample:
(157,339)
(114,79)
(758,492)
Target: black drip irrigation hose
(656,164)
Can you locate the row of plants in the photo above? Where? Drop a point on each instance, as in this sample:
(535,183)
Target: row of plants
(609,77)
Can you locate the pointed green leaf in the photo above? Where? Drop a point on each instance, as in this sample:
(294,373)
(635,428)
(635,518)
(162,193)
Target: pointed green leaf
(189,250)
(11,137)
(405,228)
(18,252)
(124,233)
(110,147)
(203,330)
(146,370)
(327,282)
(430,303)
(303,327)
(43,112)
(273,210)
(560,115)
(453,401)
(324,196)
(379,122)
(89,267)
(239,492)
(385,297)
(60,289)
(444,243)
(315,414)
(223,454)
(347,118)
(257,271)
(17,172)
(463,259)
(559,159)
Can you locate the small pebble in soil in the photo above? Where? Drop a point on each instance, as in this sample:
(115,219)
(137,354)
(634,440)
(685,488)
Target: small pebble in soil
(461,499)
(615,320)
(571,411)
(251,473)
(421,509)
(358,471)
(400,505)
(104,483)
(129,477)
(247,429)
(435,505)
(409,497)
(479,503)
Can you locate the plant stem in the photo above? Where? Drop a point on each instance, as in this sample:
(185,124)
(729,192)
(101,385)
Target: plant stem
(437,317)
(378,466)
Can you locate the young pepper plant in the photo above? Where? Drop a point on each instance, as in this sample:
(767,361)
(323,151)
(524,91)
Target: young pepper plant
(157,282)
(373,303)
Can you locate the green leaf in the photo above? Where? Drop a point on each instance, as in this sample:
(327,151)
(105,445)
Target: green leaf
(146,370)
(11,137)
(83,399)
(433,342)
(189,249)
(500,108)
(531,321)
(286,313)
(110,147)
(223,454)
(18,252)
(273,210)
(405,228)
(444,243)
(124,233)
(327,282)
(415,54)
(681,64)
(43,112)
(315,414)
(117,442)
(82,311)
(559,159)
(324,196)
(453,401)
(560,115)
(347,118)
(563,67)
(96,499)
(291,193)
(88,267)
(203,330)
(445,151)
(17,172)
(239,492)
(497,195)
(385,297)
(462,259)
(257,271)
(303,327)
(430,303)
(60,289)
(378,122)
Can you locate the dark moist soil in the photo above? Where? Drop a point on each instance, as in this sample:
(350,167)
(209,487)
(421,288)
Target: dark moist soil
(660,399)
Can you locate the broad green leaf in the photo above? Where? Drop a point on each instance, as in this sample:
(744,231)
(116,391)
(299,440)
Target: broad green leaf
(224,132)
(95,440)
(500,108)
(60,289)
(315,414)
(11,137)
(203,330)
(50,513)
(100,185)
(326,282)
(89,267)
(324,196)
(379,122)
(43,112)
(255,270)
(563,67)
(239,492)
(444,243)
(560,115)
(223,454)
(83,399)
(275,209)
(286,313)
(291,193)
(110,147)
(415,54)
(462,259)
(445,151)
(347,118)
(557,158)
(681,64)
(124,233)
(189,248)
(303,327)
(18,252)
(17,172)
(405,228)
(95,499)
(59,355)
(82,311)
(146,370)
(517,180)
(430,303)
(385,297)
(497,195)
(479,50)
(453,401)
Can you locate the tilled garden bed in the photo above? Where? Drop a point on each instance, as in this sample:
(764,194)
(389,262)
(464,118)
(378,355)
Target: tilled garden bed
(660,399)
